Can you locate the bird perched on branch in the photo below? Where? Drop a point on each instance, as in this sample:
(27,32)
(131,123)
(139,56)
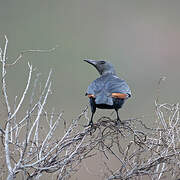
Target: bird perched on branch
(108,91)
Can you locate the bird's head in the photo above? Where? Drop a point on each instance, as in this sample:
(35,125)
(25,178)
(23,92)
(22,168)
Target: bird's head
(102,66)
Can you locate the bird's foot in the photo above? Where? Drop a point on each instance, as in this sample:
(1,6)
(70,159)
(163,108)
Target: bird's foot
(119,122)
(91,124)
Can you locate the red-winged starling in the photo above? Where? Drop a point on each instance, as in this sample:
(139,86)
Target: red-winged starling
(108,91)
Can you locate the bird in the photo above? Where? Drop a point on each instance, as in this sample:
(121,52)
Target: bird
(107,91)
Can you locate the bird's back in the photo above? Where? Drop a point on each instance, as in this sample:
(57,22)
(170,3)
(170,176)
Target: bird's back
(103,87)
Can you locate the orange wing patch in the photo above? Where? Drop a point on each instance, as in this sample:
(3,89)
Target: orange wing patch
(119,95)
(115,95)
(91,95)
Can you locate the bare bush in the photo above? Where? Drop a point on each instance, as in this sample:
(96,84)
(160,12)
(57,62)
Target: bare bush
(30,145)
(151,153)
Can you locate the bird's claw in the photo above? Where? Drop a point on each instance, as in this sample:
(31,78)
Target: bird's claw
(119,122)
(89,125)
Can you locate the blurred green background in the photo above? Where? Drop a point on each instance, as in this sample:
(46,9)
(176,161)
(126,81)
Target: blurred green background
(140,37)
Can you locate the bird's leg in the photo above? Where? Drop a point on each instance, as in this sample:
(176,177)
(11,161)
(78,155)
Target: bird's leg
(118,119)
(91,121)
(93,110)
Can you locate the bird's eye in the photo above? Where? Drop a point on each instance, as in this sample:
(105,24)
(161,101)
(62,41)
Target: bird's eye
(102,62)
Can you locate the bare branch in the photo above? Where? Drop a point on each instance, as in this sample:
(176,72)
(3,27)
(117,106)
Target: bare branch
(24,93)
(39,113)
(8,162)
(31,51)
(4,89)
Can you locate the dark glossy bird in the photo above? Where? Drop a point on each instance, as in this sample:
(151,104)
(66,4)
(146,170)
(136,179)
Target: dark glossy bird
(108,91)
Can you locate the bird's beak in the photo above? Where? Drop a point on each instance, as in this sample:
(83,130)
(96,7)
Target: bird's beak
(90,61)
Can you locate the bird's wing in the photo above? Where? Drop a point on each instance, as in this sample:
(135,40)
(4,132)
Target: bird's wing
(116,85)
(95,87)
